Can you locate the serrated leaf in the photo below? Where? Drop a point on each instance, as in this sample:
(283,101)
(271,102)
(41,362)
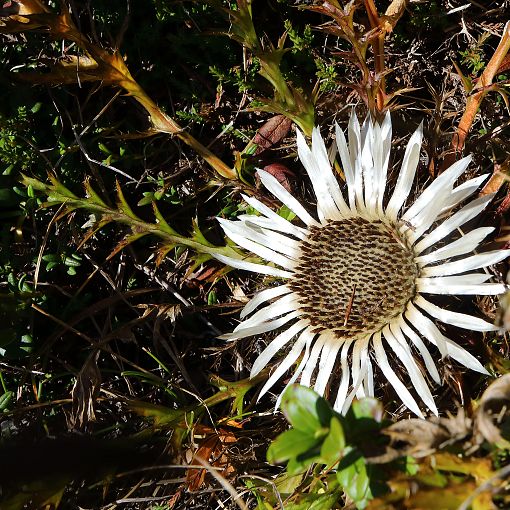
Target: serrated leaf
(92,194)
(123,205)
(198,236)
(162,223)
(163,252)
(466,82)
(125,242)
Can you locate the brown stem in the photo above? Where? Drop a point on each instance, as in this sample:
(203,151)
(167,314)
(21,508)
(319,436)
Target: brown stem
(480,90)
(378,49)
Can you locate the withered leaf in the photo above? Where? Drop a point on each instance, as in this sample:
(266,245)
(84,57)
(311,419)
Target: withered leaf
(493,411)
(421,437)
(84,393)
(271,132)
(282,174)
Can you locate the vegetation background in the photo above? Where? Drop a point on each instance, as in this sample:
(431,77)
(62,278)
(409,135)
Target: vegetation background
(126,128)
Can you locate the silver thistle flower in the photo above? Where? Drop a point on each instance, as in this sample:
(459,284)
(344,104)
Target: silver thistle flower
(355,277)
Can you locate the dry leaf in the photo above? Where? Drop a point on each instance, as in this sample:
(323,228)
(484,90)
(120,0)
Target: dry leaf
(493,411)
(282,174)
(84,393)
(271,132)
(421,437)
(212,450)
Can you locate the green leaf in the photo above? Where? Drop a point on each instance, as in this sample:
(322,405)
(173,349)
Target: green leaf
(290,444)
(353,477)
(5,400)
(123,205)
(334,444)
(315,502)
(306,411)
(368,408)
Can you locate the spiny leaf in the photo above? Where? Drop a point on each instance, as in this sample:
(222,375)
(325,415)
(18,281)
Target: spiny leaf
(92,195)
(123,205)
(162,223)
(198,236)
(125,242)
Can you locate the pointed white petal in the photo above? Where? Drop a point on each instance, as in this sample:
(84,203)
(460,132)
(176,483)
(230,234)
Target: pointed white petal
(377,158)
(262,297)
(344,381)
(445,180)
(332,197)
(283,366)
(311,364)
(326,364)
(355,144)
(275,345)
(386,142)
(262,251)
(368,382)
(362,349)
(254,268)
(406,175)
(271,227)
(272,219)
(424,219)
(367,166)
(359,366)
(464,244)
(460,354)
(427,328)
(465,190)
(457,319)
(325,207)
(282,244)
(308,337)
(347,167)
(261,328)
(438,286)
(272,184)
(404,355)
(465,214)
(418,343)
(461,279)
(285,304)
(388,372)
(467,264)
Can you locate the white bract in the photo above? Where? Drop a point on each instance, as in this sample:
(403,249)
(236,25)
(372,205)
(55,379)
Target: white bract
(356,280)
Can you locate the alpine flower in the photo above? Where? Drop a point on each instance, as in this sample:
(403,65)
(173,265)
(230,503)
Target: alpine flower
(356,281)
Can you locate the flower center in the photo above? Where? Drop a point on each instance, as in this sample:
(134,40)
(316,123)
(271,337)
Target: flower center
(354,276)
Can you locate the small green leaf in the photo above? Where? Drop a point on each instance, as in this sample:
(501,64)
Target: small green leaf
(353,477)
(368,408)
(313,502)
(306,411)
(211,298)
(333,446)
(72,262)
(290,444)
(148,198)
(5,400)
(286,213)
(411,466)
